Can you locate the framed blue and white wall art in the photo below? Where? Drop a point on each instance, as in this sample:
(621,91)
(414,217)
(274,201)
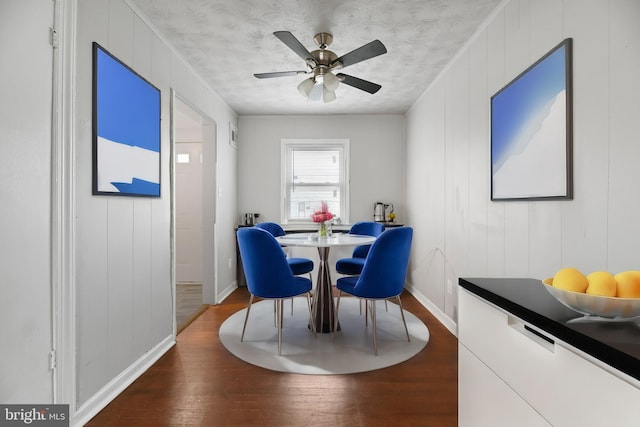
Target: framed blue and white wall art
(126,129)
(531,131)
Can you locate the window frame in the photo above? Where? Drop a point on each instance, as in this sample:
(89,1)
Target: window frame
(286,145)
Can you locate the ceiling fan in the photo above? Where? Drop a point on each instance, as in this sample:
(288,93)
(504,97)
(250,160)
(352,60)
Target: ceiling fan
(322,63)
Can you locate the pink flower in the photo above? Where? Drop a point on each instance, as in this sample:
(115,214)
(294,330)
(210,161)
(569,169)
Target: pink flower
(323,214)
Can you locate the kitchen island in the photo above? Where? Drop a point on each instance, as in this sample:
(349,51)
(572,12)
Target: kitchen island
(526,359)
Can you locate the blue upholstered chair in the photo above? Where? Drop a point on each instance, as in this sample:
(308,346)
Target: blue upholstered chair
(383,274)
(298,265)
(268,273)
(353,266)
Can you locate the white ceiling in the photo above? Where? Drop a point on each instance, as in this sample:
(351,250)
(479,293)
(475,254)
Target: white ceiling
(227,41)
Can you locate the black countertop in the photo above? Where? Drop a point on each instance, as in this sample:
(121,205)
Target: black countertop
(614,343)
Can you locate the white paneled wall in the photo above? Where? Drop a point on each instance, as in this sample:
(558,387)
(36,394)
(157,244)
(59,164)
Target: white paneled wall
(113,234)
(123,259)
(624,132)
(461,232)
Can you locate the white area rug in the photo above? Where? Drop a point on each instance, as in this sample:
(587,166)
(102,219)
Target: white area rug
(302,353)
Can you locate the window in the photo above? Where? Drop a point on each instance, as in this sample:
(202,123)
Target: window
(314,171)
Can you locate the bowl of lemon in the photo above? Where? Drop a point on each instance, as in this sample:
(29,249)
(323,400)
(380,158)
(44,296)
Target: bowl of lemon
(599,294)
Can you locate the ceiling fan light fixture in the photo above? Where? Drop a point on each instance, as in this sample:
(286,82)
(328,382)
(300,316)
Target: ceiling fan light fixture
(306,86)
(331,82)
(316,92)
(328,95)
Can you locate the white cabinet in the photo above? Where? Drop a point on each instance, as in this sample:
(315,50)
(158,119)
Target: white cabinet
(485,400)
(511,371)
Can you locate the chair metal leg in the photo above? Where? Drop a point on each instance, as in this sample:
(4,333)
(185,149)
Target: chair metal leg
(275,310)
(246,317)
(292,298)
(385,306)
(366,313)
(403,321)
(374,326)
(279,310)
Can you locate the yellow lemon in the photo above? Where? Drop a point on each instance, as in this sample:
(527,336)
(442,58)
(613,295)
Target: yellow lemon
(601,283)
(628,284)
(570,279)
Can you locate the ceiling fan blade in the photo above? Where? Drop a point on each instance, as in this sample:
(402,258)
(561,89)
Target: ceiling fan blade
(294,44)
(368,51)
(364,85)
(278,74)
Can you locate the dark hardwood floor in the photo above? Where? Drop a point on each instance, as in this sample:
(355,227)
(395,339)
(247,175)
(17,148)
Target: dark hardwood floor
(199,383)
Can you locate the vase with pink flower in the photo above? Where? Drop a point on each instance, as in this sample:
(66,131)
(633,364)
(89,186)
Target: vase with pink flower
(323,217)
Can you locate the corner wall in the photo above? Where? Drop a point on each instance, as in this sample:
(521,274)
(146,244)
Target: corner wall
(461,232)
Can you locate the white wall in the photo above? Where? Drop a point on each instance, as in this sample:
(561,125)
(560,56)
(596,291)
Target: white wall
(25,170)
(461,232)
(188,214)
(377,160)
(123,245)
(376,153)
(188,130)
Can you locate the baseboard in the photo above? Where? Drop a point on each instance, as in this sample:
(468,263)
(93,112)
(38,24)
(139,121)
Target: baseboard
(227,291)
(106,394)
(433,309)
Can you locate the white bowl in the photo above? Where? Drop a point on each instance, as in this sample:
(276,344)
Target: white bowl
(594,305)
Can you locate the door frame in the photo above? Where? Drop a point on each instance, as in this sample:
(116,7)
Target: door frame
(209,176)
(63,285)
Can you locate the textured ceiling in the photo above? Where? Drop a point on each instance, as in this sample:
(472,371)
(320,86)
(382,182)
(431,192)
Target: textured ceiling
(227,41)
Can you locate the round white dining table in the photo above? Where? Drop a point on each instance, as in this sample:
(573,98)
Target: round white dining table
(323,308)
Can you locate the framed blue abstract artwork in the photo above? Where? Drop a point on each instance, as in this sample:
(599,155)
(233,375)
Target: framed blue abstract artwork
(531,131)
(126,129)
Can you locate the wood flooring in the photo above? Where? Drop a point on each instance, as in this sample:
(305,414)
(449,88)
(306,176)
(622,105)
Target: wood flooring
(188,304)
(199,383)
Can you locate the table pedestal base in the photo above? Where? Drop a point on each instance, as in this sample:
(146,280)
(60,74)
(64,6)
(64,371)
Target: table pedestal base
(323,308)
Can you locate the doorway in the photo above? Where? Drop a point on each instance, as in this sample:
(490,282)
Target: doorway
(194,173)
